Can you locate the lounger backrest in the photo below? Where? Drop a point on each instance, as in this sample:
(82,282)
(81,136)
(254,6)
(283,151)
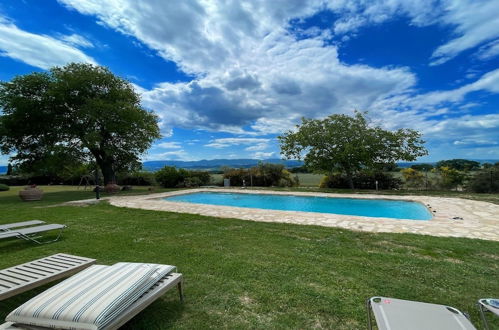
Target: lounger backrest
(21,224)
(30,230)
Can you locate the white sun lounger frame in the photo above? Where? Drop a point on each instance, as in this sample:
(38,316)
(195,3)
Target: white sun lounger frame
(21,278)
(161,287)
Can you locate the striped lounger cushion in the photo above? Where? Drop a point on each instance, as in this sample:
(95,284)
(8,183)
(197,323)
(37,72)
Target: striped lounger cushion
(92,298)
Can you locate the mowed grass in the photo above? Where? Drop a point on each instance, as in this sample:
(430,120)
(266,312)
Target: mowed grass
(243,274)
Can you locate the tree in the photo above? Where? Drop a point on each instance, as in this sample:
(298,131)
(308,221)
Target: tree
(459,164)
(9,169)
(81,108)
(451,178)
(422,167)
(412,177)
(349,144)
(486,180)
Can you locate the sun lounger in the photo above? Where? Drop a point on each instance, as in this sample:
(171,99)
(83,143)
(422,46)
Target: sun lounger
(29,232)
(488,305)
(100,297)
(398,314)
(24,277)
(9,226)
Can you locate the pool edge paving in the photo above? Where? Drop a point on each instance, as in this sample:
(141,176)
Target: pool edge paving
(479,219)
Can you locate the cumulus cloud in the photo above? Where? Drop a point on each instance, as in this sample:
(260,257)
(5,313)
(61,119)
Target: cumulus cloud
(38,50)
(473,22)
(169,145)
(253,76)
(263,155)
(228,142)
(176,155)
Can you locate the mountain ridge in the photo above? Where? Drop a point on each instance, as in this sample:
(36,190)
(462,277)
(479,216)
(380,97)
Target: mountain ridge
(214,164)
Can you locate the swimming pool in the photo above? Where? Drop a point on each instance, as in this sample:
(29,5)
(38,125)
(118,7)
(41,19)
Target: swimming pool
(380,208)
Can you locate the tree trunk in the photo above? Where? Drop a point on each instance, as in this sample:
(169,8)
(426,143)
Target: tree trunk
(108,172)
(350,180)
(105,164)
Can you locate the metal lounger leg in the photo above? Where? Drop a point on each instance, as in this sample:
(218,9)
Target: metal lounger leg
(180,288)
(368,308)
(484,318)
(28,238)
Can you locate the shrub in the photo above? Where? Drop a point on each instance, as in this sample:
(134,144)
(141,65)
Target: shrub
(361,180)
(4,187)
(422,167)
(459,164)
(192,182)
(237,176)
(485,181)
(413,177)
(263,175)
(14,180)
(202,177)
(139,178)
(451,178)
(171,177)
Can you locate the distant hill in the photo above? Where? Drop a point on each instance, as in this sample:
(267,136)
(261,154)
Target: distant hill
(214,164)
(481,161)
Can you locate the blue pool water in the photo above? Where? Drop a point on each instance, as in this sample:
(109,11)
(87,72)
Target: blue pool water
(349,206)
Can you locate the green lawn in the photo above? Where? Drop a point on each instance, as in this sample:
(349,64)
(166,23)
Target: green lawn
(243,274)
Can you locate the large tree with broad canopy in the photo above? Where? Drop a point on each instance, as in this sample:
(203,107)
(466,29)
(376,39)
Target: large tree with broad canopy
(348,144)
(81,111)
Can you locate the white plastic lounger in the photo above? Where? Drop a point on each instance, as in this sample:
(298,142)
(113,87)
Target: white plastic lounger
(29,232)
(488,305)
(24,277)
(398,314)
(100,297)
(9,226)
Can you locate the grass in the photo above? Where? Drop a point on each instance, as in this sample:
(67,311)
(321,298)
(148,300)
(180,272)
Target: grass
(244,274)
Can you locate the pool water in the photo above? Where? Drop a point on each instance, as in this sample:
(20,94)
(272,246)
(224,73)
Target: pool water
(349,206)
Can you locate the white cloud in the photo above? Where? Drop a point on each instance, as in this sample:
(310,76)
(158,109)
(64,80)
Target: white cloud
(77,40)
(170,155)
(475,22)
(169,145)
(37,50)
(263,155)
(227,142)
(257,147)
(251,70)
(253,77)
(489,51)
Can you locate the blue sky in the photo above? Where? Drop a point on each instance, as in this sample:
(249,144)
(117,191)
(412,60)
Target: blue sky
(227,77)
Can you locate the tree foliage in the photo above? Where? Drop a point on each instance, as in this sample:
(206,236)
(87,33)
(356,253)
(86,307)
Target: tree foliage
(413,177)
(486,180)
(459,164)
(81,110)
(422,167)
(263,175)
(451,178)
(348,144)
(171,177)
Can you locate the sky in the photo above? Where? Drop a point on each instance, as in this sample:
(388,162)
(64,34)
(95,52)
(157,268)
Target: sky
(227,77)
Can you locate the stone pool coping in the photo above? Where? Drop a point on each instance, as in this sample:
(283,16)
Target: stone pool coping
(479,219)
